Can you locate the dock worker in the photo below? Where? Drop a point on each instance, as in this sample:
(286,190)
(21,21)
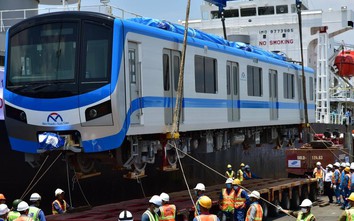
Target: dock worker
(3,212)
(229,172)
(305,212)
(125,215)
(247,175)
(151,213)
(255,211)
(34,211)
(240,172)
(242,201)
(336,181)
(205,204)
(167,211)
(348,214)
(227,201)
(199,190)
(23,209)
(318,173)
(2,199)
(14,214)
(346,187)
(59,205)
(328,186)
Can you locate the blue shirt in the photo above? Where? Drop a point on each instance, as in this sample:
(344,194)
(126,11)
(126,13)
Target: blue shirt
(342,179)
(336,176)
(58,208)
(345,182)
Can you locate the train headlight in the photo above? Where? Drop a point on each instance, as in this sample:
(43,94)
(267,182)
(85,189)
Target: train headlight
(93,113)
(98,110)
(16,114)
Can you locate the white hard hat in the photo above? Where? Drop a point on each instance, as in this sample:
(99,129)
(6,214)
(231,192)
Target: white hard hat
(343,165)
(318,163)
(22,206)
(229,180)
(255,194)
(306,203)
(3,209)
(35,197)
(347,164)
(337,164)
(58,192)
(352,166)
(330,166)
(165,197)
(200,186)
(155,199)
(125,215)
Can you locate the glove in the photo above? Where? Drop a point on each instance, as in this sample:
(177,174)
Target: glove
(334,186)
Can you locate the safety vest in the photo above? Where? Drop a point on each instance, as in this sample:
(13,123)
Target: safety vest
(259,212)
(239,200)
(209,217)
(307,218)
(350,214)
(249,175)
(240,175)
(230,174)
(13,215)
(33,212)
(24,218)
(334,176)
(228,200)
(168,212)
(62,206)
(349,180)
(318,173)
(152,217)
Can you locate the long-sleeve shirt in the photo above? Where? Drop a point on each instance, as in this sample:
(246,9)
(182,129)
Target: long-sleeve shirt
(345,182)
(249,175)
(342,179)
(336,176)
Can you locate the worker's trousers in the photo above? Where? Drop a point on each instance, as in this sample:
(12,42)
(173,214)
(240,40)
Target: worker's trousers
(226,216)
(345,195)
(337,193)
(239,214)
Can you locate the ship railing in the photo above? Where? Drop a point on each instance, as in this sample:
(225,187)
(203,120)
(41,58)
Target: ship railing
(336,118)
(342,93)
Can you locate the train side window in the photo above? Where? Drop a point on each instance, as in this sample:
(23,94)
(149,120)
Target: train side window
(289,86)
(311,88)
(254,81)
(281,9)
(205,74)
(228,79)
(166,72)
(235,73)
(176,66)
(248,12)
(268,10)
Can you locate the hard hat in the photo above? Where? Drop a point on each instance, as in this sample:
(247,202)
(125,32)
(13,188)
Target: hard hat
(200,186)
(165,197)
(247,167)
(22,206)
(125,215)
(2,197)
(155,199)
(236,182)
(255,194)
(15,203)
(35,197)
(330,166)
(205,202)
(351,197)
(351,166)
(229,180)
(337,164)
(318,163)
(3,209)
(229,166)
(242,165)
(306,203)
(58,192)
(342,165)
(347,164)
(347,169)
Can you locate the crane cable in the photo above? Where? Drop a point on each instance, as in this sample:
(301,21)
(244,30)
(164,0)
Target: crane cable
(217,172)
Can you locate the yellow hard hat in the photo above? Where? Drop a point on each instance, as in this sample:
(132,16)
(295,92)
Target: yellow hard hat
(351,197)
(347,169)
(229,166)
(242,165)
(205,202)
(236,182)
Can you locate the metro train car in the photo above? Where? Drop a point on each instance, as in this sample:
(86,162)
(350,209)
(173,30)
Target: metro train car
(107,86)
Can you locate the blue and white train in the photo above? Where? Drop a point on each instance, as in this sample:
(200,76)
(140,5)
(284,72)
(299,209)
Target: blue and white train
(109,85)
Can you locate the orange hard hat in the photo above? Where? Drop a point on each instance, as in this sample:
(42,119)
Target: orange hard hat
(2,197)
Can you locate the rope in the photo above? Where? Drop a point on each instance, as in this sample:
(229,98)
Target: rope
(67,176)
(82,192)
(35,176)
(24,194)
(138,180)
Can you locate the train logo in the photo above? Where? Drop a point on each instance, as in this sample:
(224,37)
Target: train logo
(55,119)
(294,163)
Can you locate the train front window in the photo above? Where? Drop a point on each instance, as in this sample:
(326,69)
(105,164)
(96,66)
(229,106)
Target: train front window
(43,54)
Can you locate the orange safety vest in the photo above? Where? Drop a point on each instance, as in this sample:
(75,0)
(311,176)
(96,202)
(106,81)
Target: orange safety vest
(240,202)
(249,175)
(209,217)
(168,212)
(23,218)
(259,212)
(349,180)
(334,177)
(62,206)
(228,200)
(318,173)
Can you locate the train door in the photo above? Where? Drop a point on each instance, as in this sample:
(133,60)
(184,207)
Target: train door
(171,65)
(233,95)
(273,95)
(134,81)
(301,99)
